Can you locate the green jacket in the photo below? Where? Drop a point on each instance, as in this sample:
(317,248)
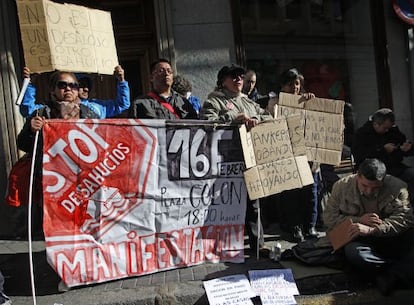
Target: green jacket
(393,205)
(224,106)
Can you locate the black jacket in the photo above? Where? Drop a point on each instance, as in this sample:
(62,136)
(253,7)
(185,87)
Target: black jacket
(146,107)
(369,144)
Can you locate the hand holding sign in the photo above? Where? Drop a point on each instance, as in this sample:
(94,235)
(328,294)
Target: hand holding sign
(119,73)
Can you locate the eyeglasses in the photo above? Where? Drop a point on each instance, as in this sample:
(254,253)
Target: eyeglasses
(63,85)
(162,71)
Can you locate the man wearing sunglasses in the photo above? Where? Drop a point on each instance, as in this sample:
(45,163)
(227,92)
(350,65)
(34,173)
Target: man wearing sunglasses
(103,108)
(228,104)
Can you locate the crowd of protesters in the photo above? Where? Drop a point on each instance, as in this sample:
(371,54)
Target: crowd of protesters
(378,205)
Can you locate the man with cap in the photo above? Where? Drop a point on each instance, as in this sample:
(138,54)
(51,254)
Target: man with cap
(228,104)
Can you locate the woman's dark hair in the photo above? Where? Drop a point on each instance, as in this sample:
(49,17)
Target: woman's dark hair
(289,76)
(372,169)
(181,85)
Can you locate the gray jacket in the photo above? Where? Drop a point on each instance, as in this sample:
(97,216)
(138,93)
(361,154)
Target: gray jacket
(393,205)
(224,106)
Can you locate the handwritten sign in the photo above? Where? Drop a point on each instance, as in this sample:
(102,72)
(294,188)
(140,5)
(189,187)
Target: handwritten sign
(229,290)
(66,37)
(323,125)
(274,162)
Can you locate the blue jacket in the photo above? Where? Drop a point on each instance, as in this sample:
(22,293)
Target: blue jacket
(103,108)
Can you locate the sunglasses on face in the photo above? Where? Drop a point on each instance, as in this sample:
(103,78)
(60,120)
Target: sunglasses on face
(236,76)
(63,85)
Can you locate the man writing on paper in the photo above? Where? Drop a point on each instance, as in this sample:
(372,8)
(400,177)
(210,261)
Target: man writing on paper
(382,231)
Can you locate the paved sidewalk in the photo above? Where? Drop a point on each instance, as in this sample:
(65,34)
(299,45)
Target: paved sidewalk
(179,286)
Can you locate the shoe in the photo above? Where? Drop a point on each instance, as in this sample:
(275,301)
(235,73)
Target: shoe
(312,233)
(386,283)
(297,234)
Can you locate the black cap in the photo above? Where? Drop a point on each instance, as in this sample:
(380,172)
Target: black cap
(226,71)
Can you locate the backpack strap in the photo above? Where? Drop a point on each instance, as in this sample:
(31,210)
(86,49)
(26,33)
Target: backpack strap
(164,103)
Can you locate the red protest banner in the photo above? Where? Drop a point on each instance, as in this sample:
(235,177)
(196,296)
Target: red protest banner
(128,197)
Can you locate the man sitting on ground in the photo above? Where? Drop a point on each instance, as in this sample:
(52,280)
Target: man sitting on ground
(382,231)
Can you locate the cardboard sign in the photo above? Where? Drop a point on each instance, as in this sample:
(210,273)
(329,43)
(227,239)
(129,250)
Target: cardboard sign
(274,163)
(339,235)
(323,123)
(132,197)
(66,37)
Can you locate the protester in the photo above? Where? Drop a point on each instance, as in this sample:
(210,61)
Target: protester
(298,207)
(183,86)
(249,85)
(380,138)
(64,104)
(228,104)
(290,81)
(382,232)
(250,89)
(85,85)
(162,102)
(103,108)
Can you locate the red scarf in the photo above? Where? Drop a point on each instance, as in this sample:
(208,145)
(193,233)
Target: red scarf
(163,103)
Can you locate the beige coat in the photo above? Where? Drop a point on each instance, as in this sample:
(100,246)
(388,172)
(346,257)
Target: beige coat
(393,205)
(224,106)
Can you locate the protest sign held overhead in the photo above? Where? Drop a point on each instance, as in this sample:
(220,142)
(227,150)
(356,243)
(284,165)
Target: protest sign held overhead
(66,37)
(322,120)
(275,157)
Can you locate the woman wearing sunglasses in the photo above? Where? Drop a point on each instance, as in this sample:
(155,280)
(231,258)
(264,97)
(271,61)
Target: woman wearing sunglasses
(64,104)
(103,108)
